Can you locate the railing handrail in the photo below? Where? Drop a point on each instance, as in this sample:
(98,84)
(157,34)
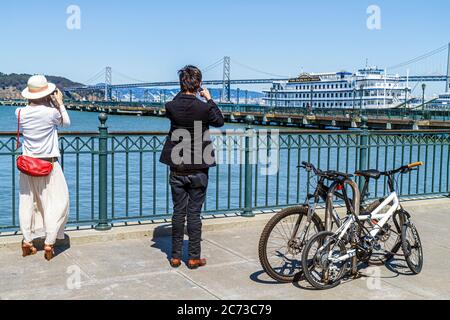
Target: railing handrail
(224,132)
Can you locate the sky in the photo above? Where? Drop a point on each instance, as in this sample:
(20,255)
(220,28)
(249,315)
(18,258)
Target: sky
(150,40)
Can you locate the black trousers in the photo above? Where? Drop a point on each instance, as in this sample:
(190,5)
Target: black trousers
(188,194)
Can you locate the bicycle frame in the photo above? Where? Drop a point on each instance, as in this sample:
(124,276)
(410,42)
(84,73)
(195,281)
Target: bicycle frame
(383,219)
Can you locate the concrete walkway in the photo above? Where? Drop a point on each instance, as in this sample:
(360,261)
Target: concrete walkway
(136,267)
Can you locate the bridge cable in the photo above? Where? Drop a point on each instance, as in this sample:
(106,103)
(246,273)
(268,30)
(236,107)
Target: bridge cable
(96,76)
(259,71)
(128,77)
(419,58)
(212,66)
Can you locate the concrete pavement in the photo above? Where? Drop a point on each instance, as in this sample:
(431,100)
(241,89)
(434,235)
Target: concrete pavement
(131,263)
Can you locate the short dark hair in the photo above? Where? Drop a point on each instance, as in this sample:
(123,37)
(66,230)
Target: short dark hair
(190,78)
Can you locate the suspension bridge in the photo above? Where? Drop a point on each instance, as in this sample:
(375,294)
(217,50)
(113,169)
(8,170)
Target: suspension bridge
(441,73)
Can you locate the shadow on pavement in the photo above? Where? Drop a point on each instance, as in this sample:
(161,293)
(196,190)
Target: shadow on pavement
(61,245)
(256,278)
(162,240)
(399,267)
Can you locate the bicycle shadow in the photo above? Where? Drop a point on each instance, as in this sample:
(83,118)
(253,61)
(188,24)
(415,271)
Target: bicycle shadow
(399,267)
(257,277)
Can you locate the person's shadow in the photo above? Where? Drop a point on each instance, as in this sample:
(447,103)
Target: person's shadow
(162,240)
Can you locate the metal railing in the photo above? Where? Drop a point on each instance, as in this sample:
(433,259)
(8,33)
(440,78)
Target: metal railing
(116,176)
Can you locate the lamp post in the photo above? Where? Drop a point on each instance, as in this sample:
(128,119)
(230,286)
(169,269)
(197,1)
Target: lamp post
(406,101)
(272,96)
(424,86)
(276,97)
(354,100)
(312,92)
(361,88)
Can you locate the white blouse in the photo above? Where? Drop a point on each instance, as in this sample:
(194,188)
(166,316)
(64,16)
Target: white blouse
(39,126)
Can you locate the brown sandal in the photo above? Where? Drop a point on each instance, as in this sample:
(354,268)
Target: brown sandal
(49,252)
(28,249)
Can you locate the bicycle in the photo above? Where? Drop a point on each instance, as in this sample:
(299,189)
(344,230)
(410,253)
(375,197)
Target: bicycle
(291,228)
(328,256)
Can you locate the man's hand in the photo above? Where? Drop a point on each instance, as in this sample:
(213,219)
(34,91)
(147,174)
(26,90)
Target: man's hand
(205,94)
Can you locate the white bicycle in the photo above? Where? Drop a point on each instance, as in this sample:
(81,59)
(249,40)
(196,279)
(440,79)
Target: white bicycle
(329,256)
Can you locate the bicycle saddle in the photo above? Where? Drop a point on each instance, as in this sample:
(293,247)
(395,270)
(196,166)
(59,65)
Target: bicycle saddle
(372,174)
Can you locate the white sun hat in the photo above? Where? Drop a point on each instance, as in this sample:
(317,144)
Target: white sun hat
(38,87)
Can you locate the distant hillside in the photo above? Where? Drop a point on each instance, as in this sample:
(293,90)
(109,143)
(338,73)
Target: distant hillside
(157,93)
(12,84)
(19,81)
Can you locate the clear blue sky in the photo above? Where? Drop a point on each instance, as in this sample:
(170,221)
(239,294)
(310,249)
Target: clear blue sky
(150,40)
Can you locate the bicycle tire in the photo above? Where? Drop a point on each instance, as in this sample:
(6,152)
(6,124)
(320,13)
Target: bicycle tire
(300,211)
(408,247)
(307,270)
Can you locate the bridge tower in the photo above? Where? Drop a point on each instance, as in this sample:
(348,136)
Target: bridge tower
(108,82)
(447,88)
(226,85)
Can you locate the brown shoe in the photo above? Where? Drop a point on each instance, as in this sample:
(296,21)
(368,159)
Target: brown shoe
(28,249)
(175,263)
(195,264)
(49,252)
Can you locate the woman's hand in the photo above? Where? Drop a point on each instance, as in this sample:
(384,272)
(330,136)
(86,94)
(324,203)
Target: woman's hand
(205,94)
(58,98)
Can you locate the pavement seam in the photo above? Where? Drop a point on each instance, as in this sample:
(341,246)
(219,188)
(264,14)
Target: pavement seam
(227,249)
(405,289)
(198,285)
(80,265)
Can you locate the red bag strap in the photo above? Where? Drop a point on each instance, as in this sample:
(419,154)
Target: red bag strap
(18,131)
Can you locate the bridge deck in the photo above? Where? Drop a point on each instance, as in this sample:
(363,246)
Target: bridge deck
(136,268)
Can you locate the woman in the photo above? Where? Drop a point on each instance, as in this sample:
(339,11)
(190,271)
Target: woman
(44,201)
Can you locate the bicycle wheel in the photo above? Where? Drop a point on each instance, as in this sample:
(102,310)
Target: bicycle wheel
(281,242)
(412,247)
(320,272)
(389,236)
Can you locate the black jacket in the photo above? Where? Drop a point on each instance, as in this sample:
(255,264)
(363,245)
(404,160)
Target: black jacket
(183,112)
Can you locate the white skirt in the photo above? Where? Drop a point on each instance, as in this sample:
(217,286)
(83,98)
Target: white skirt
(44,206)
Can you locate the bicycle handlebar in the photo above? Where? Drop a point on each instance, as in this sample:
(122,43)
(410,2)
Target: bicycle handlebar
(331,175)
(415,164)
(405,169)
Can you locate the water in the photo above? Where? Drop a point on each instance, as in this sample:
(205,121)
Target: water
(227,182)
(88,121)
(81,182)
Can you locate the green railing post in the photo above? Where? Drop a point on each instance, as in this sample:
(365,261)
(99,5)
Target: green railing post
(103,224)
(363,148)
(249,134)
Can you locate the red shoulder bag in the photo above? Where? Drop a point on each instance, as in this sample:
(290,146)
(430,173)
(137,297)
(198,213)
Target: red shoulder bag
(31,166)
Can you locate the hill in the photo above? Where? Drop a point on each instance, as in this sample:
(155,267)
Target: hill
(12,84)
(19,81)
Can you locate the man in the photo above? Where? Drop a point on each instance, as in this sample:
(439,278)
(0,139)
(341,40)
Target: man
(189,153)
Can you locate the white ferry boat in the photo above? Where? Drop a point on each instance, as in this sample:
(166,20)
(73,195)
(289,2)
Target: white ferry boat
(368,88)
